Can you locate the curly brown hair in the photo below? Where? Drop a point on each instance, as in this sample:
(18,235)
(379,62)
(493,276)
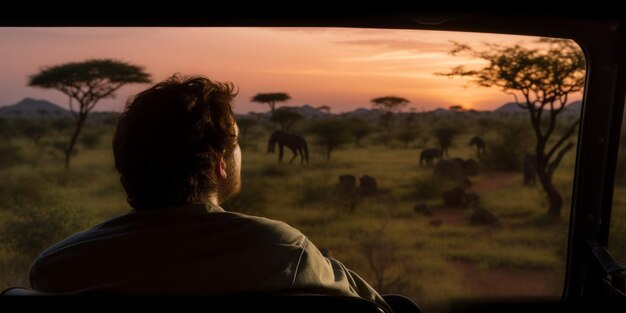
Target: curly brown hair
(170,138)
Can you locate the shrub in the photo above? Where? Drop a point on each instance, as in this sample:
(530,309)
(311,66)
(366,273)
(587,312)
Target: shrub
(32,228)
(90,140)
(33,131)
(381,254)
(382,138)
(330,134)
(507,151)
(22,190)
(62,125)
(10,155)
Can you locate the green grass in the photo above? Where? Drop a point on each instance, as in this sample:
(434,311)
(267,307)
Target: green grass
(304,197)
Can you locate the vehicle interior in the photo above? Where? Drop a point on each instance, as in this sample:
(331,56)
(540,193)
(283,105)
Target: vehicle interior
(521,236)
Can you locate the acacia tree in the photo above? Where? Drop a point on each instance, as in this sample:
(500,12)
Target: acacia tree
(87,82)
(541,81)
(359,129)
(271,99)
(330,133)
(388,105)
(406,136)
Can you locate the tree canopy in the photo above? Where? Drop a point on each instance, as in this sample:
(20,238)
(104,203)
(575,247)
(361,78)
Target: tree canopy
(87,82)
(330,133)
(271,98)
(285,117)
(541,79)
(389,105)
(90,80)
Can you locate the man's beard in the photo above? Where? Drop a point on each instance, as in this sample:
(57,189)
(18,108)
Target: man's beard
(232,185)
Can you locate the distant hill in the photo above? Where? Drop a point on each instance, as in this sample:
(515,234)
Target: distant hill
(574,107)
(363,113)
(33,107)
(512,107)
(440,111)
(308,111)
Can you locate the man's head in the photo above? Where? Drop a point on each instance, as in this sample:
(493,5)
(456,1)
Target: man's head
(176,143)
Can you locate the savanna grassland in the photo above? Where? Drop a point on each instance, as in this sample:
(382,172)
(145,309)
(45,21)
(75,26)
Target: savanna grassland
(432,259)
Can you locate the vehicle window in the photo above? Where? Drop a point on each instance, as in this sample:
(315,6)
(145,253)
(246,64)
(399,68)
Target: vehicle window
(424,174)
(617,233)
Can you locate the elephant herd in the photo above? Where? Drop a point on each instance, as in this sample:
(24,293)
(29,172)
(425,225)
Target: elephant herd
(428,156)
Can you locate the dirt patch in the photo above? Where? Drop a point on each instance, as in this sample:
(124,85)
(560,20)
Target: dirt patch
(459,216)
(495,180)
(503,282)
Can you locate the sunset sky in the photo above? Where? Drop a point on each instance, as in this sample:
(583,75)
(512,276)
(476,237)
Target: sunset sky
(340,68)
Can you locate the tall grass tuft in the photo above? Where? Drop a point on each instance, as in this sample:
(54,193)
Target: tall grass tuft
(31,229)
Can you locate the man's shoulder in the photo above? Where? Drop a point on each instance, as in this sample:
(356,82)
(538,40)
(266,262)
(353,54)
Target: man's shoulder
(274,230)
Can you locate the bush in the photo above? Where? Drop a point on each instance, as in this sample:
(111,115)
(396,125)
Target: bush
(6,129)
(382,138)
(22,190)
(90,140)
(33,131)
(10,155)
(62,125)
(507,151)
(381,253)
(33,228)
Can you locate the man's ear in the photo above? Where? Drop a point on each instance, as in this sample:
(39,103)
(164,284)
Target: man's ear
(221,168)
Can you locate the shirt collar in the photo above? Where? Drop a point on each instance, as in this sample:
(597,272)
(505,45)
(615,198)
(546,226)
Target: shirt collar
(210,207)
(198,207)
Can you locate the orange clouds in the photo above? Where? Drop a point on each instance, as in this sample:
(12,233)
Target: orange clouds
(341,68)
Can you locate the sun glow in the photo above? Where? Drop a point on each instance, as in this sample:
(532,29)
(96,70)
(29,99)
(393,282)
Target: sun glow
(341,68)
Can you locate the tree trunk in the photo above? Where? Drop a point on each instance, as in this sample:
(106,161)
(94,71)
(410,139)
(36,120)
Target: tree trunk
(328,154)
(554,197)
(70,147)
(388,122)
(556,203)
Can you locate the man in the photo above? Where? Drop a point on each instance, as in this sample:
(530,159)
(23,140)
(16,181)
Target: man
(176,150)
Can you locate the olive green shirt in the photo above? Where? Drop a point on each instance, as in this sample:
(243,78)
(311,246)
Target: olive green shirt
(193,249)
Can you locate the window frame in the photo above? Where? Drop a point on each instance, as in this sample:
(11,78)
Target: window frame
(602,39)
